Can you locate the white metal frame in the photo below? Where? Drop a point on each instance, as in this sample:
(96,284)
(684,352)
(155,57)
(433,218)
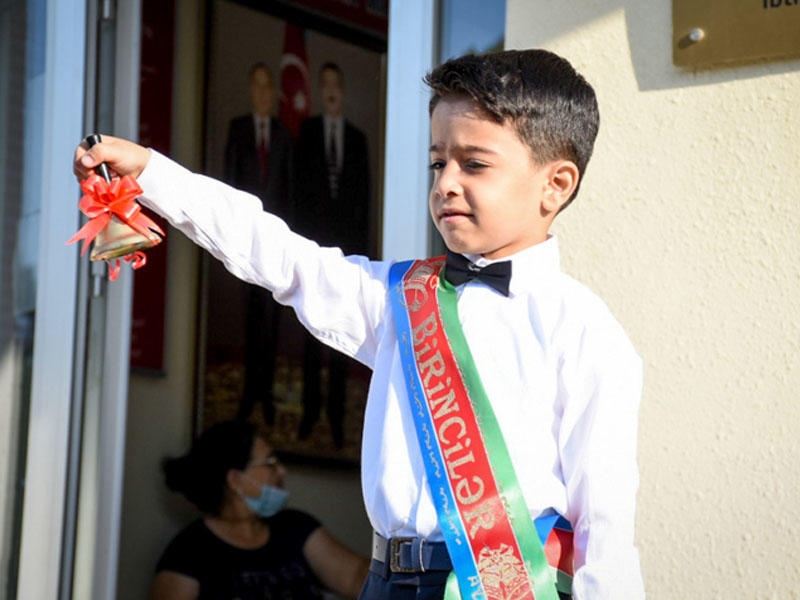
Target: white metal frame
(410,56)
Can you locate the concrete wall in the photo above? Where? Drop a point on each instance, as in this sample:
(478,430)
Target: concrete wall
(688,224)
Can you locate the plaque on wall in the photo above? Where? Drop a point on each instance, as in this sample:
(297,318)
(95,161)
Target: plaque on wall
(720,31)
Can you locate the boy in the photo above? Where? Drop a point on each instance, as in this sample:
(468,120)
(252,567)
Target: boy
(511,134)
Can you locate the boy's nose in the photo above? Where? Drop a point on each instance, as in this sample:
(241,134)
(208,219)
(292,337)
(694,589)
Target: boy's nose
(447,182)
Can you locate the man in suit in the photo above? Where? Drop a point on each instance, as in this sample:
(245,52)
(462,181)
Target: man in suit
(258,159)
(332,203)
(258,152)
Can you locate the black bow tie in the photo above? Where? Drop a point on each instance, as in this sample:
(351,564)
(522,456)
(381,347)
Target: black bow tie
(459,270)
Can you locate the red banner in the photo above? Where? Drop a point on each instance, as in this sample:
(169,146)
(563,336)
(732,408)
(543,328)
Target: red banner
(295,101)
(155,130)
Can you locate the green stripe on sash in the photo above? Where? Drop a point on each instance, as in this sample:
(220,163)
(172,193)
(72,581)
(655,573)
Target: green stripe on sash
(541,575)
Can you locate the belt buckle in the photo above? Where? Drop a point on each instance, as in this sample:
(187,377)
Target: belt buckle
(394,555)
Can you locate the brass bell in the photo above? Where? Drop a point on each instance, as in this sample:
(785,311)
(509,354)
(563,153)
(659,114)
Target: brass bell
(117,238)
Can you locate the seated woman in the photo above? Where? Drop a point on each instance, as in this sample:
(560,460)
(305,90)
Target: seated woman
(246,545)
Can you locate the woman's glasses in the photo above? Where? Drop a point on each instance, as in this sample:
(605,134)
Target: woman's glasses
(271,461)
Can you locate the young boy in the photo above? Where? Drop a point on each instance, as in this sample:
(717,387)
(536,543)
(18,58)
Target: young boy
(511,134)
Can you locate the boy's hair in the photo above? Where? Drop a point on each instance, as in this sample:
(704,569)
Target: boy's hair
(551,106)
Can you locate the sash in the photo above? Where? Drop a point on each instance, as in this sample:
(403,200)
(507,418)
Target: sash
(496,549)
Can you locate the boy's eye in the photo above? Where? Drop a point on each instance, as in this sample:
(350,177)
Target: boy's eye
(468,165)
(474,165)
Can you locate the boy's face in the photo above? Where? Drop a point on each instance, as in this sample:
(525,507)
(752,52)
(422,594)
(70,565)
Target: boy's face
(487,192)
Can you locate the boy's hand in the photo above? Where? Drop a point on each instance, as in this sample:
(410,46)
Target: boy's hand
(121,156)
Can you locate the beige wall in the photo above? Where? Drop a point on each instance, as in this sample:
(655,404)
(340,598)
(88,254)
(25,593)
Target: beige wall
(688,224)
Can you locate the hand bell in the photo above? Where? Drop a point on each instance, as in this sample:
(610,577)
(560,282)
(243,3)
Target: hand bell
(117,238)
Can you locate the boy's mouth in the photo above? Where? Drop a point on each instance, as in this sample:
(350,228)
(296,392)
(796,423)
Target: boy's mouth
(450,214)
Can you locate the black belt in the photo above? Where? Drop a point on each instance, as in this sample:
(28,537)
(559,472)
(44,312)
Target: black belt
(410,554)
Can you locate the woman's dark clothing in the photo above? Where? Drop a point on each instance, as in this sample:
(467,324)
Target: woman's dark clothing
(276,571)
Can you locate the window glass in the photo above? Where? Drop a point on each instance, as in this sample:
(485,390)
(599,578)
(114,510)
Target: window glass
(476,26)
(22,52)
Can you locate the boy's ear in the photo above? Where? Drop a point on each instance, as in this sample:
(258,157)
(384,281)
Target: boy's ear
(562,180)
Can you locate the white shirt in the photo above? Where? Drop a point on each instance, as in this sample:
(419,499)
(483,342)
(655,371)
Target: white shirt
(563,378)
(261,125)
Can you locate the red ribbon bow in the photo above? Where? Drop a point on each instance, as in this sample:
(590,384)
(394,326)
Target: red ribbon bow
(101,201)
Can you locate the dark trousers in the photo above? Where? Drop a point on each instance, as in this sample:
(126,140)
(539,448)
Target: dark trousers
(408,586)
(403,586)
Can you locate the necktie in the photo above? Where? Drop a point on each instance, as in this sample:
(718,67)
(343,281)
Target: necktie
(263,151)
(333,162)
(333,159)
(459,270)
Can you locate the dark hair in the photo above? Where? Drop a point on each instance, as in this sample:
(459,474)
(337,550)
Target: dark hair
(200,475)
(332,66)
(552,107)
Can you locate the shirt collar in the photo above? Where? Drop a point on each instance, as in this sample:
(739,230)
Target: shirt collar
(257,121)
(529,265)
(336,121)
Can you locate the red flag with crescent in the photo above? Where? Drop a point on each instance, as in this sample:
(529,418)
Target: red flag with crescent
(295,100)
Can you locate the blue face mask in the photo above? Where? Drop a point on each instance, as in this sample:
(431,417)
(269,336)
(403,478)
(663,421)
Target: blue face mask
(271,500)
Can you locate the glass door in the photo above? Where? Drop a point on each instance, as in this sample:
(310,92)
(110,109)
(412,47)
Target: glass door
(41,104)
(20,44)
(66,67)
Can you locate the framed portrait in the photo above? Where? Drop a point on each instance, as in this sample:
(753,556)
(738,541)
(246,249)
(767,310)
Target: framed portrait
(294,114)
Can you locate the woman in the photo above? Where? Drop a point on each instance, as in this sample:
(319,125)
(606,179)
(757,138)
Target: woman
(246,545)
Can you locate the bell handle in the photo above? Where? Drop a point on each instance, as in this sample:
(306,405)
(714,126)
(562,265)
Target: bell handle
(102,168)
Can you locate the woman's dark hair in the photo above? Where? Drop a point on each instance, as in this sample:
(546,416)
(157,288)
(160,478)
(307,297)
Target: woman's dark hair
(551,106)
(200,474)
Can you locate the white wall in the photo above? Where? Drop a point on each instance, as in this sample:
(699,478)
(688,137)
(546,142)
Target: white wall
(688,224)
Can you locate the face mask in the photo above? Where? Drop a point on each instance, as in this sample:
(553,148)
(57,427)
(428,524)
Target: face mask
(271,500)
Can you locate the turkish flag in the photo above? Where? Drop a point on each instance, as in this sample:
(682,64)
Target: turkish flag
(295,101)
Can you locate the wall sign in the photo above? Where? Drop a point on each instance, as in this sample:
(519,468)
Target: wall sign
(718,31)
